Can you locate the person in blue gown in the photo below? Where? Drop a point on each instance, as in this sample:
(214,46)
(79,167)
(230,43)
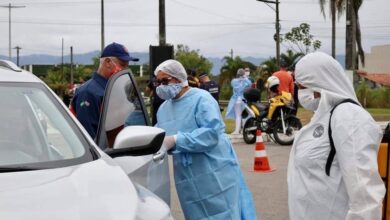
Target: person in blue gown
(236,105)
(207,175)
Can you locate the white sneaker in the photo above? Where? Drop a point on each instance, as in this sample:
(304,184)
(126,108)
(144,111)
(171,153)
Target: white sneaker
(235,133)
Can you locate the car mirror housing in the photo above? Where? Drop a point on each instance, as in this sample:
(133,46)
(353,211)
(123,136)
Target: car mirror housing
(137,141)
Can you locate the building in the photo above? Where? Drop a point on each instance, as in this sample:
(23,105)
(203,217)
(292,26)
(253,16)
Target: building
(376,71)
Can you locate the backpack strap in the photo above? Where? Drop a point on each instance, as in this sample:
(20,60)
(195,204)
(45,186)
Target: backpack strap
(332,152)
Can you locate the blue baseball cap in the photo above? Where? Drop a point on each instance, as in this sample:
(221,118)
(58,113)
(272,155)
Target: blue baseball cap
(119,51)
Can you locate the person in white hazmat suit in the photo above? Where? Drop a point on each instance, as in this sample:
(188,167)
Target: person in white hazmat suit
(353,190)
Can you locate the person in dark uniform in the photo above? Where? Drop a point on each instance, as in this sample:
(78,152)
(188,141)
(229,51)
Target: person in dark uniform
(156,100)
(192,79)
(260,85)
(87,101)
(209,85)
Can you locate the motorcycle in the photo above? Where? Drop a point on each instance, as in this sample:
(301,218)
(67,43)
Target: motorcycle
(276,119)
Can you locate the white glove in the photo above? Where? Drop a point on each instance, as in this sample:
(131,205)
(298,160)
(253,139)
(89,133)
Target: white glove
(169,142)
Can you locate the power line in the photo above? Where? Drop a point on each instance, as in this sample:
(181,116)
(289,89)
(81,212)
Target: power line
(139,24)
(205,11)
(67,3)
(9,6)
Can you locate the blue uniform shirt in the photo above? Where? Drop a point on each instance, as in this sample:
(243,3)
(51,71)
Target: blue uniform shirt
(212,87)
(87,102)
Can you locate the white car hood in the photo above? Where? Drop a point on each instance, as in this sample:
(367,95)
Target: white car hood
(94,190)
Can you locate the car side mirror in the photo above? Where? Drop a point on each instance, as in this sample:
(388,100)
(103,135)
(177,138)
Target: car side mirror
(137,141)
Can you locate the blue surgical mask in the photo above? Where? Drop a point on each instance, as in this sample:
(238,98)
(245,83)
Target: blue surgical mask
(169,91)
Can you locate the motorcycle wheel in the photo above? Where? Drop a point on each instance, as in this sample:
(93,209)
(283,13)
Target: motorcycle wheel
(249,131)
(292,125)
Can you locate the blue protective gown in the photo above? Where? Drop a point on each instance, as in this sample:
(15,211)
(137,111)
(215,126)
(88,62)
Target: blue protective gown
(239,85)
(208,178)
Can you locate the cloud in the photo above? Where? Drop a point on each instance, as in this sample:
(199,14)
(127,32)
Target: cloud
(214,27)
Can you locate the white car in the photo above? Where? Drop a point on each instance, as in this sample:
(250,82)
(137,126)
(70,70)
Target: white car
(50,168)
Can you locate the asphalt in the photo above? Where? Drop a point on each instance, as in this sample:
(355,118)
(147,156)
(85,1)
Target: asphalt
(269,189)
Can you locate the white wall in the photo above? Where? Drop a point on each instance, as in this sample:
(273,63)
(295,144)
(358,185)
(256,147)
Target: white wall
(378,61)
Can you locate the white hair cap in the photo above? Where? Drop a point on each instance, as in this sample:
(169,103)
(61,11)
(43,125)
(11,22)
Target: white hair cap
(240,72)
(173,68)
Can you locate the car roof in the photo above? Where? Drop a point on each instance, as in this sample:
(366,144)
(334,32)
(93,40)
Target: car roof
(9,72)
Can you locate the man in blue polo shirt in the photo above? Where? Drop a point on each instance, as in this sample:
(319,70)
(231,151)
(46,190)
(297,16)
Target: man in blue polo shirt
(87,101)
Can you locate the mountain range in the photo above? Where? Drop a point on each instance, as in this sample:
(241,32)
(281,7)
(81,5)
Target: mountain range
(86,58)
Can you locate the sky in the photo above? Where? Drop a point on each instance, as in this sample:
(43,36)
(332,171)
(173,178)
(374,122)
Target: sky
(214,27)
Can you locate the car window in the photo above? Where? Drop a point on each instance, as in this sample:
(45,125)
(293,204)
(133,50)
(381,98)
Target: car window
(34,129)
(123,107)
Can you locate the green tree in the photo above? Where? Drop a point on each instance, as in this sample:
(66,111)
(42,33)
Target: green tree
(290,57)
(339,7)
(300,40)
(268,67)
(59,82)
(231,65)
(191,59)
(228,71)
(56,80)
(336,6)
(355,7)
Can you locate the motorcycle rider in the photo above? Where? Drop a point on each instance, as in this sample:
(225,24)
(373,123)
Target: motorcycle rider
(272,85)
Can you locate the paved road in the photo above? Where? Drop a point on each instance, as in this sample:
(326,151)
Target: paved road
(269,189)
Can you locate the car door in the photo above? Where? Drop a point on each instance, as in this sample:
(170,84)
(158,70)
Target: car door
(123,106)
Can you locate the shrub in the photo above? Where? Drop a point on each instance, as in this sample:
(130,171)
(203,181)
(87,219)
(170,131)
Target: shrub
(373,98)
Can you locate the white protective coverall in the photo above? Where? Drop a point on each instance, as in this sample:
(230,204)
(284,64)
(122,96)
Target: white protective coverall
(353,190)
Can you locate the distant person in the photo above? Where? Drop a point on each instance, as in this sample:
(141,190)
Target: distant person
(248,75)
(210,86)
(155,99)
(88,98)
(236,105)
(286,80)
(136,116)
(291,69)
(193,80)
(67,97)
(260,86)
(273,85)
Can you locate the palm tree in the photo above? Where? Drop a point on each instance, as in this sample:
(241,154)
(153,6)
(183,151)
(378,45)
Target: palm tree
(290,57)
(268,67)
(335,6)
(355,7)
(339,6)
(230,67)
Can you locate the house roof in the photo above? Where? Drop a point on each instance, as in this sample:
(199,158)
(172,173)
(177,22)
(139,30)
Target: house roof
(380,78)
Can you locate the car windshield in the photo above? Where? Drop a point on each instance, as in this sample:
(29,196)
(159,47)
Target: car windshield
(36,131)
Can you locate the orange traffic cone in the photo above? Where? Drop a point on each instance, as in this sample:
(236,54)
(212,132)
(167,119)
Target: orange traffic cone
(261,160)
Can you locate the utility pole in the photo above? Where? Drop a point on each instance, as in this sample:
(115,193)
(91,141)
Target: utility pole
(355,61)
(231,53)
(162,34)
(102,25)
(277,27)
(333,11)
(62,57)
(9,6)
(71,65)
(17,48)
(350,38)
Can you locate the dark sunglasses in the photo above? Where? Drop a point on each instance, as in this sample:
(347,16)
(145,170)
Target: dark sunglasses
(164,81)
